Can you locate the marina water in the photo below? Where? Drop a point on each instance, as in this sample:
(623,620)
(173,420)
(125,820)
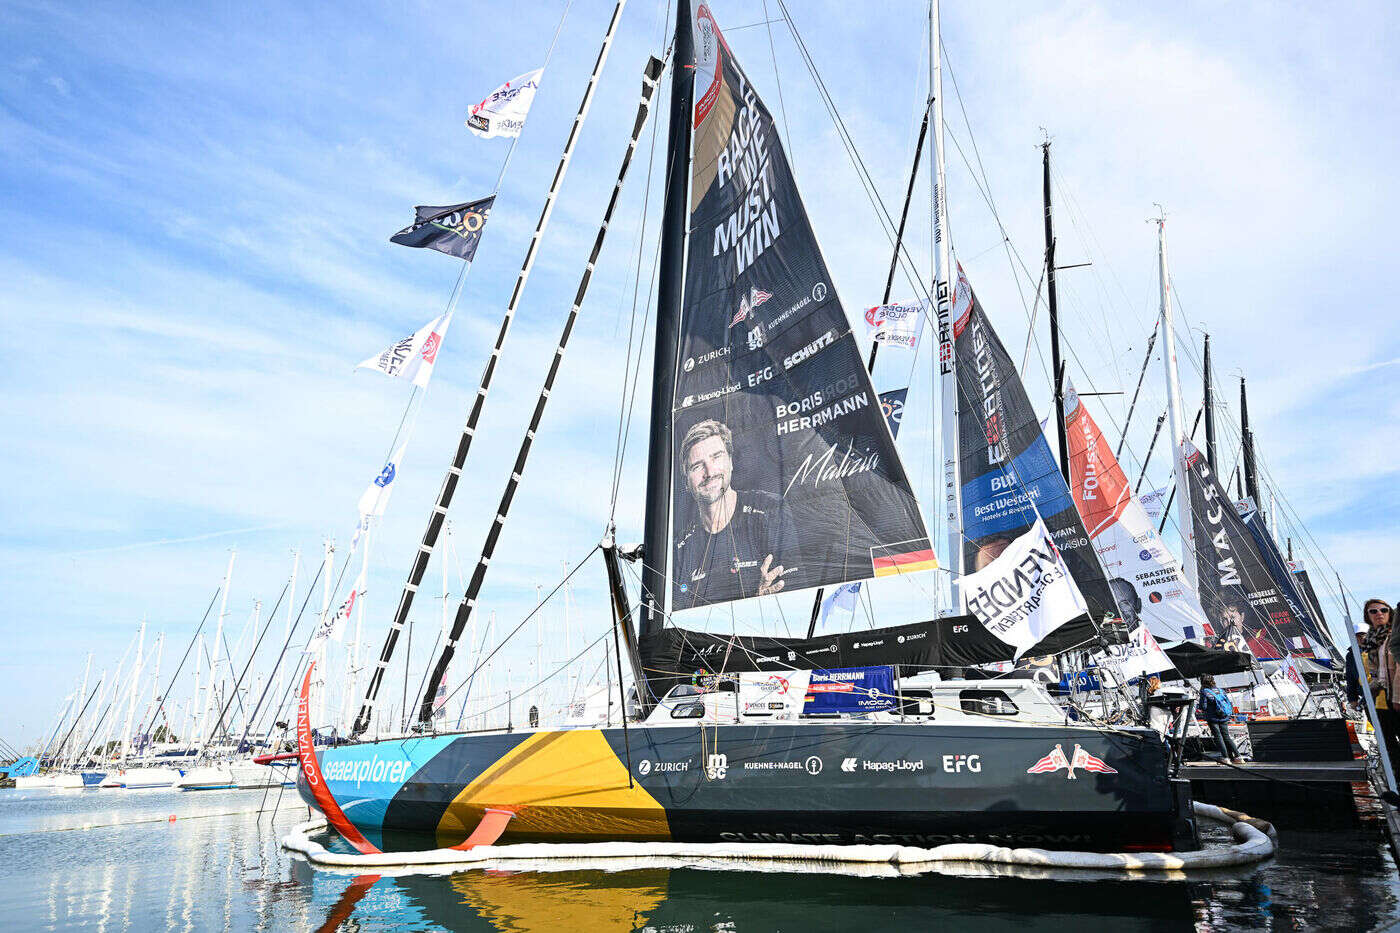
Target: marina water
(114,860)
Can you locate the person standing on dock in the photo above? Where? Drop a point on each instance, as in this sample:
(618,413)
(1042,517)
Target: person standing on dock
(1217,709)
(1380,659)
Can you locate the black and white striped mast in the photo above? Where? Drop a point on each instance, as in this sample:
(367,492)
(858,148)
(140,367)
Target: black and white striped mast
(459,459)
(464,609)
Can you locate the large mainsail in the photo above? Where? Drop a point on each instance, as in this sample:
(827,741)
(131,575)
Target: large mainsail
(1146,580)
(1007,471)
(785,472)
(1236,589)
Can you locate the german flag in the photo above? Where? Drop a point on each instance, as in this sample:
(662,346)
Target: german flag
(889,564)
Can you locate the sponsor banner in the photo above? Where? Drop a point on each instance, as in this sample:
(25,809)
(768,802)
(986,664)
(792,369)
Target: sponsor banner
(454,229)
(1081,759)
(779,694)
(1025,593)
(375,498)
(1008,474)
(1237,592)
(1146,581)
(892,407)
(503,113)
(786,473)
(896,325)
(851,690)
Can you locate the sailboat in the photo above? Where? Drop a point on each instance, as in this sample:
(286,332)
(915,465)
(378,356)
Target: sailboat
(771,467)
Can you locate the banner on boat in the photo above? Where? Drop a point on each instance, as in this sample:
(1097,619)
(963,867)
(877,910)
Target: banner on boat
(454,229)
(1141,655)
(332,624)
(1025,593)
(1237,592)
(375,498)
(786,474)
(1009,478)
(412,358)
(1147,582)
(896,325)
(503,113)
(1154,503)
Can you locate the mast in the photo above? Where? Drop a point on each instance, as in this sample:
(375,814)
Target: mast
(670,292)
(214,660)
(454,472)
(1208,405)
(943,290)
(1058,374)
(1175,419)
(1251,479)
(131,701)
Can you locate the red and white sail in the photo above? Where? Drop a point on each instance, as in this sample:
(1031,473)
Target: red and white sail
(1147,580)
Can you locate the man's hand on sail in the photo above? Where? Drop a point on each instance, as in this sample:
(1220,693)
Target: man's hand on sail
(772,580)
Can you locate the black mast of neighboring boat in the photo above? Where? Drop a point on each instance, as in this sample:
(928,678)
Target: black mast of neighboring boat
(1208,406)
(670,289)
(1058,375)
(1251,481)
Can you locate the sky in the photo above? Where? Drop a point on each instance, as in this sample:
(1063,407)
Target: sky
(194,223)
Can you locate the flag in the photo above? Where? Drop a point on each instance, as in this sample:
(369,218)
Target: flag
(1051,762)
(750,303)
(892,404)
(454,229)
(331,626)
(1153,502)
(413,357)
(376,495)
(843,597)
(1141,655)
(503,113)
(898,324)
(1290,670)
(440,701)
(1025,593)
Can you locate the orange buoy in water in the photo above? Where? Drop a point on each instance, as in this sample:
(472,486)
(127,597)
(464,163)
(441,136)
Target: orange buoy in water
(172,817)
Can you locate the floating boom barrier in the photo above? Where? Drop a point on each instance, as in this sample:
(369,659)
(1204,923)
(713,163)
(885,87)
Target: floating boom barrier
(1255,841)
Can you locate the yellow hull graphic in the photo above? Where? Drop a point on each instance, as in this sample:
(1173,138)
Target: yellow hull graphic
(560,785)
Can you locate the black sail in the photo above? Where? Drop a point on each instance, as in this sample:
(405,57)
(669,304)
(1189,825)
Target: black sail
(786,474)
(1238,593)
(1007,471)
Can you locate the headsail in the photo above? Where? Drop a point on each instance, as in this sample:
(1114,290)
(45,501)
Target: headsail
(1303,633)
(786,474)
(1146,580)
(1237,591)
(1008,473)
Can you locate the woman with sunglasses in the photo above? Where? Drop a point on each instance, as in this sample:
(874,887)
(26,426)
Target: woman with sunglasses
(1380,659)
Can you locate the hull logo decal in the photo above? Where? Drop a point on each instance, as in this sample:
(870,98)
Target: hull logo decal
(1056,761)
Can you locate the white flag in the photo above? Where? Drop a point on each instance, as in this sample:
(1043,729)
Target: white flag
(331,625)
(376,496)
(1025,593)
(1153,501)
(504,112)
(413,357)
(843,597)
(897,325)
(1141,655)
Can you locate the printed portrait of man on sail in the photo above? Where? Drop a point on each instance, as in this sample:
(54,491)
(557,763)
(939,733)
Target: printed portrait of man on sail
(739,542)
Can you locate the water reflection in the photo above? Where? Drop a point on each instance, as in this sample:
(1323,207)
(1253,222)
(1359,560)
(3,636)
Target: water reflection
(219,866)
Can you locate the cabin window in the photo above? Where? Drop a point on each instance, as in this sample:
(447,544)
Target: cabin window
(685,690)
(916,703)
(688,711)
(987,702)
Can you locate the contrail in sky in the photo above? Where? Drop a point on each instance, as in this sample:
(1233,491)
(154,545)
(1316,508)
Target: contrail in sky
(165,541)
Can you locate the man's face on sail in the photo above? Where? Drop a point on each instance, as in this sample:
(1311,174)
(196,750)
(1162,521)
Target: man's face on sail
(708,469)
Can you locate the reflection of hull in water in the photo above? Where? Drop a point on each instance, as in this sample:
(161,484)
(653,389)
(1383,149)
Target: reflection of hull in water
(849,782)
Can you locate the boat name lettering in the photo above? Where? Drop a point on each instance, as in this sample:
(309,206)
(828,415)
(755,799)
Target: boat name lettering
(826,468)
(369,769)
